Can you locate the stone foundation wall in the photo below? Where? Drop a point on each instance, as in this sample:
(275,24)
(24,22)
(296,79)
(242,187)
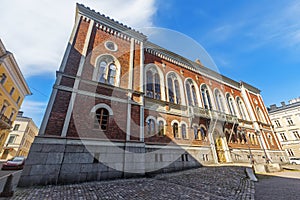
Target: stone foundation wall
(63,161)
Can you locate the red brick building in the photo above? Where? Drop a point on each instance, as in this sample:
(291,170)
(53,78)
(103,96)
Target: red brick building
(122,106)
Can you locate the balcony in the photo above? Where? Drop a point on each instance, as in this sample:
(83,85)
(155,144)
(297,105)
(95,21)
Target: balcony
(212,114)
(5,123)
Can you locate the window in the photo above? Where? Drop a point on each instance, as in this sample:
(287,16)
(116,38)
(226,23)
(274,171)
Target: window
(277,123)
(203,134)
(227,135)
(11,139)
(290,152)
(153,84)
(260,115)
(12,91)
(161,128)
(271,139)
(175,130)
(183,131)
(107,70)
(173,89)
(3,109)
(296,135)
(11,115)
(241,108)
(206,97)
(283,137)
(219,101)
(18,100)
(196,133)
(3,79)
(150,127)
(191,93)
(230,104)
(290,121)
(101,119)
(16,127)
(111,46)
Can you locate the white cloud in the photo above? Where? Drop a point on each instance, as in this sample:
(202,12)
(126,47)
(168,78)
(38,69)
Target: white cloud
(34,110)
(36,32)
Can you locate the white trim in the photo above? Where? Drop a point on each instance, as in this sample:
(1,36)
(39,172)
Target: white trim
(151,117)
(102,105)
(128,122)
(161,119)
(175,121)
(142,134)
(142,67)
(131,60)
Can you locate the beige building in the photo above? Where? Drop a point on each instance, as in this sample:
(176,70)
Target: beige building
(286,121)
(20,138)
(13,89)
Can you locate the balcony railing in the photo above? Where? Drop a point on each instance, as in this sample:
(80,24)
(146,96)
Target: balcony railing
(5,123)
(201,112)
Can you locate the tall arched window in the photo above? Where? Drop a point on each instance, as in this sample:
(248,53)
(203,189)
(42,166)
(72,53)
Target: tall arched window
(260,115)
(175,130)
(101,119)
(150,127)
(241,108)
(153,84)
(161,128)
(230,103)
(219,100)
(173,89)
(191,93)
(206,97)
(183,131)
(107,70)
(203,134)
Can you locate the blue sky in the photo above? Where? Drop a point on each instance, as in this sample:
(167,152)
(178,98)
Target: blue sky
(254,41)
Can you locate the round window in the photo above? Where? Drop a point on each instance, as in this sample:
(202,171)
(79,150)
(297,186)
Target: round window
(111,46)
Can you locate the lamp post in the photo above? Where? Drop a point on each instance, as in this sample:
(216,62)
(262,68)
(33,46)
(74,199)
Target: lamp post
(257,132)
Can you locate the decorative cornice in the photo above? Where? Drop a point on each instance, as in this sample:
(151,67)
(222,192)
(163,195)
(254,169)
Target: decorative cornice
(110,25)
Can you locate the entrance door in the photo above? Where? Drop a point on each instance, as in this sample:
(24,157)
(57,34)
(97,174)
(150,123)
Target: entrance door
(220,150)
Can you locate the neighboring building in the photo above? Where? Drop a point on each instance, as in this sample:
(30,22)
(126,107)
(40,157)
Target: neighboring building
(13,89)
(286,121)
(122,106)
(20,138)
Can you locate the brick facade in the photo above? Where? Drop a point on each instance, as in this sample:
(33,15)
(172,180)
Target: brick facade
(128,144)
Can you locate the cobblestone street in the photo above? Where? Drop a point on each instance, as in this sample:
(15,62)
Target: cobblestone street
(226,182)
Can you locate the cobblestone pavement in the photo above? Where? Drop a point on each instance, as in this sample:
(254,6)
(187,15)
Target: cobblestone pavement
(226,182)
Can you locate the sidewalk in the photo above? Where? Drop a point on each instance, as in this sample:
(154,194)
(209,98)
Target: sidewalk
(219,182)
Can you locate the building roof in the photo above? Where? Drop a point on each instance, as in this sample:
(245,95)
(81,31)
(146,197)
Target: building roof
(294,103)
(160,51)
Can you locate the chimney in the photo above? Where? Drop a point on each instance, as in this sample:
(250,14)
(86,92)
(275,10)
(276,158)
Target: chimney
(20,114)
(283,104)
(198,62)
(273,107)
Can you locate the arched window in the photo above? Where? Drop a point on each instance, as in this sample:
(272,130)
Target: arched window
(219,100)
(183,131)
(173,89)
(153,84)
(206,97)
(191,93)
(107,70)
(101,119)
(196,133)
(161,128)
(150,127)
(227,135)
(260,115)
(175,130)
(203,134)
(241,108)
(230,103)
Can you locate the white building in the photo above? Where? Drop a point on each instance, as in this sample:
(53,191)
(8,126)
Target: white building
(20,138)
(286,121)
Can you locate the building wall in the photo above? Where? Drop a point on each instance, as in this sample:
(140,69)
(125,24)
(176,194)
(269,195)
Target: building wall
(13,90)
(72,139)
(20,138)
(286,122)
